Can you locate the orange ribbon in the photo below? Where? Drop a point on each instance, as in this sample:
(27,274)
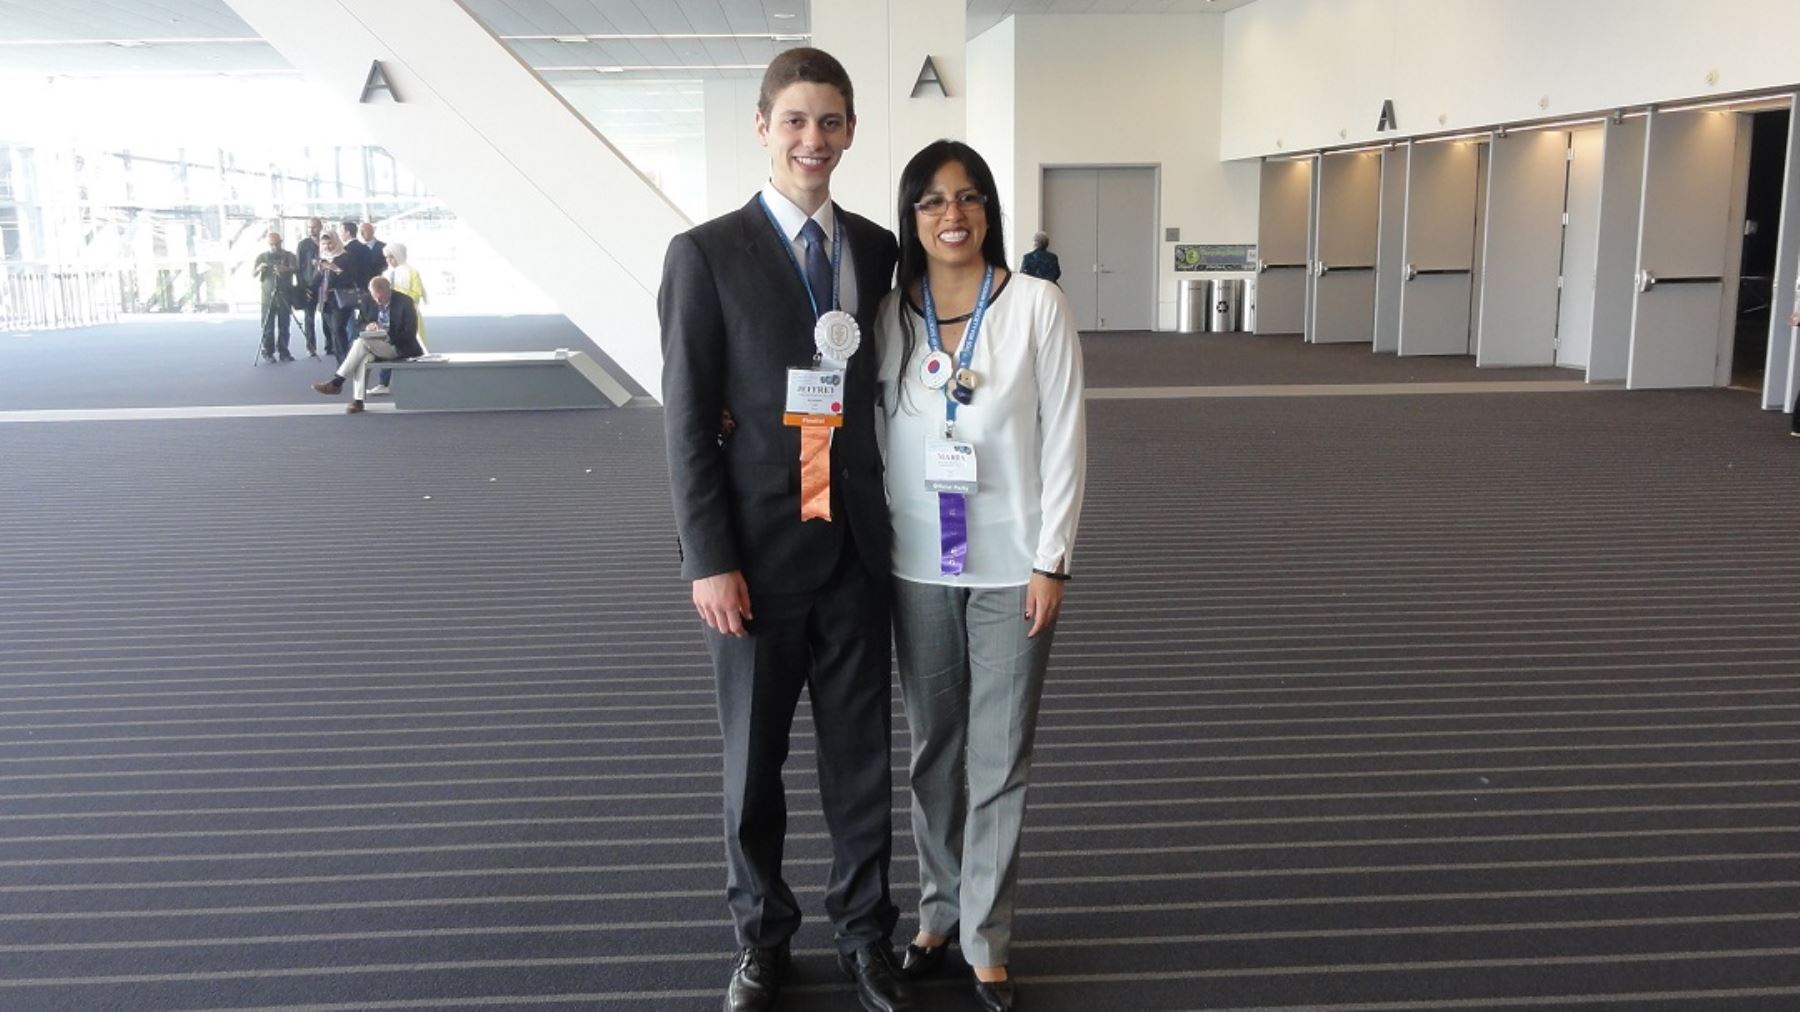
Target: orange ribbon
(815,473)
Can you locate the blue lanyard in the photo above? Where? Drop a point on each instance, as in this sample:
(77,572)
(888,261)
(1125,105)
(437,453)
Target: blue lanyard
(837,257)
(966,353)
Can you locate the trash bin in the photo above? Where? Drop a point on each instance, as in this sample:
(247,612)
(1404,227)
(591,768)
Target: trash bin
(1192,304)
(1226,315)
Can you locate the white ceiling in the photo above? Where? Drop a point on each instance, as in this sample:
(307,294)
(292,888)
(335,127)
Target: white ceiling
(78,36)
(985,14)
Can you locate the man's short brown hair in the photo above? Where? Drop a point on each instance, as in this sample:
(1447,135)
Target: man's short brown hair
(814,66)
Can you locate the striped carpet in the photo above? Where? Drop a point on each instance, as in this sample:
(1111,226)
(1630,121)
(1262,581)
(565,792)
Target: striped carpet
(1475,700)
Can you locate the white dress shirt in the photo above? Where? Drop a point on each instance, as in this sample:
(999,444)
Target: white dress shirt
(1027,423)
(792,220)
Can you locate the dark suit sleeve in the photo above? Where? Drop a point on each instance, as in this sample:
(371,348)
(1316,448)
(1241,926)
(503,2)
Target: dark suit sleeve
(693,379)
(403,326)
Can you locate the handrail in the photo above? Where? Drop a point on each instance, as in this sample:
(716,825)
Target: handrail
(57,297)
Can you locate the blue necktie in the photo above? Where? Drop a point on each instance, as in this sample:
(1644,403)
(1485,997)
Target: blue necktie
(818,264)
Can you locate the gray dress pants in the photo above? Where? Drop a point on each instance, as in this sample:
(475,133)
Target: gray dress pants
(971,681)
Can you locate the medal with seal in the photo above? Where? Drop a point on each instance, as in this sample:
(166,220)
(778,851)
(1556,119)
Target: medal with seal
(837,337)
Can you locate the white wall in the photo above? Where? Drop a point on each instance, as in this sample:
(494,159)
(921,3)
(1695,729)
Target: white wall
(657,125)
(1302,74)
(883,43)
(993,123)
(737,165)
(1130,90)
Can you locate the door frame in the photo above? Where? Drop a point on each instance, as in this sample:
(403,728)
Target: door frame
(1154,293)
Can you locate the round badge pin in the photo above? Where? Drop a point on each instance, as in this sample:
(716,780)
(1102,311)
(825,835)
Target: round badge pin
(935,371)
(837,336)
(966,379)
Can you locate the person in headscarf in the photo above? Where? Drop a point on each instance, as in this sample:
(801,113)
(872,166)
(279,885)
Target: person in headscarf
(409,281)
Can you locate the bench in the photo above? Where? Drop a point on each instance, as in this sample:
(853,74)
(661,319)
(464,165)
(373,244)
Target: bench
(502,381)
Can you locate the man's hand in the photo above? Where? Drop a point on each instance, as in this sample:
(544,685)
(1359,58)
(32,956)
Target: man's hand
(723,602)
(1043,599)
(372,326)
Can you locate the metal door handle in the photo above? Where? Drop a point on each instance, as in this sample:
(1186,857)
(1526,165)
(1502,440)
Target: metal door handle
(1647,280)
(1325,268)
(1105,269)
(1264,265)
(1414,272)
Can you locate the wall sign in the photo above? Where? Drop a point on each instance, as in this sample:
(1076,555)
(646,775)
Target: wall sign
(1214,257)
(377,81)
(928,78)
(1387,121)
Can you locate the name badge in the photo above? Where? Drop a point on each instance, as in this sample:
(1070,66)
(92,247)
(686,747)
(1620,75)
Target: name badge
(949,466)
(815,397)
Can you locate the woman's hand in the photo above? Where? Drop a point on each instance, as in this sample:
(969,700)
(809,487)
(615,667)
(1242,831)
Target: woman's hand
(1043,599)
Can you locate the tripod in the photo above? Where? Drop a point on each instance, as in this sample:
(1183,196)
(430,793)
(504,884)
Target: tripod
(280,300)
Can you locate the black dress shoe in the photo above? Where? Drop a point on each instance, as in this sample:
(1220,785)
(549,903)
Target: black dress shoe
(996,996)
(879,985)
(918,961)
(756,979)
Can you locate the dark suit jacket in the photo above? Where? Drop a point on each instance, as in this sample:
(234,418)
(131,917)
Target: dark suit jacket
(735,317)
(403,322)
(359,263)
(308,252)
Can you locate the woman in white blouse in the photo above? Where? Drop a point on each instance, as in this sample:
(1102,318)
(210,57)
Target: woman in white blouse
(981,387)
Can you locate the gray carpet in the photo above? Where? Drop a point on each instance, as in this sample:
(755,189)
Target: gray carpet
(1383,703)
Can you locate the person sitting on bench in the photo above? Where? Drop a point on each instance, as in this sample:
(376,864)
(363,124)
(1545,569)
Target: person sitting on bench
(390,332)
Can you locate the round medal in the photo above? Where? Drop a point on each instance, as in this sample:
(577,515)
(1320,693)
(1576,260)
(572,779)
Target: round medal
(837,336)
(935,371)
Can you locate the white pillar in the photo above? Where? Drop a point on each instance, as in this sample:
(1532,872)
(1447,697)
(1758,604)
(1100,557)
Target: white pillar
(502,149)
(884,44)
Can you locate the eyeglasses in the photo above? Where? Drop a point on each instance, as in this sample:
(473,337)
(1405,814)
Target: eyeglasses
(934,205)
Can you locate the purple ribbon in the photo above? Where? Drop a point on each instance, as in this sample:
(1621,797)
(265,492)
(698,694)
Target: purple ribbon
(953,532)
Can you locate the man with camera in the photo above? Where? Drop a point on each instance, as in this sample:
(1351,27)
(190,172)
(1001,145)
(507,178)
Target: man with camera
(276,270)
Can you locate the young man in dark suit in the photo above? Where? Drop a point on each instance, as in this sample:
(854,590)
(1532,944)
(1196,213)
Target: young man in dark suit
(768,405)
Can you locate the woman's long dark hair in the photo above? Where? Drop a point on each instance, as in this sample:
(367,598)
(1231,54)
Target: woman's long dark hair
(915,179)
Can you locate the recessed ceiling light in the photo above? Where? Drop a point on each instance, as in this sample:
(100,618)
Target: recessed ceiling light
(128,43)
(571,39)
(787,38)
(782,17)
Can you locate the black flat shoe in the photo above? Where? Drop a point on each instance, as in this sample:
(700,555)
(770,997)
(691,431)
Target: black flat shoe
(756,979)
(918,961)
(996,996)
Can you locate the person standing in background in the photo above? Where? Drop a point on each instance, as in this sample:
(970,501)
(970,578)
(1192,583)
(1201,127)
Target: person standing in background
(275,269)
(308,293)
(1040,262)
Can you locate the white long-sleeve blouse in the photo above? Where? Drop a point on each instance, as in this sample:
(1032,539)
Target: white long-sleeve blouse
(1027,422)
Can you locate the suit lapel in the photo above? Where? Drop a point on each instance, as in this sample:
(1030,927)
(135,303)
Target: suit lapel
(768,249)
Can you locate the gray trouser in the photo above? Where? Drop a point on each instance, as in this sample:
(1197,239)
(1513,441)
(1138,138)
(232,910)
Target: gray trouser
(971,681)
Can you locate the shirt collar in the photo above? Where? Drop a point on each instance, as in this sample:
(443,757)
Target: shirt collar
(792,219)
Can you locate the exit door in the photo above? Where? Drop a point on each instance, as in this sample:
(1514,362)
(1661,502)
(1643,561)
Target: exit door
(1684,241)
(1349,207)
(1283,232)
(1441,184)
(1102,227)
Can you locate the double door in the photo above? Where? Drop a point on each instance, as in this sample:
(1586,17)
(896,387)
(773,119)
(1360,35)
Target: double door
(1102,228)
